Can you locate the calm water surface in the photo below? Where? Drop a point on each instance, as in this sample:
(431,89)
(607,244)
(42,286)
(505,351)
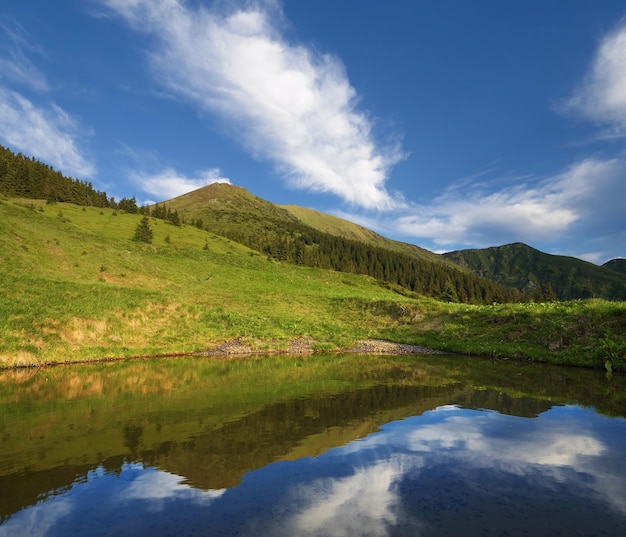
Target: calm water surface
(324,445)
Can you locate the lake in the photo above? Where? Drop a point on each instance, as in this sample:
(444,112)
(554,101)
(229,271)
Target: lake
(324,445)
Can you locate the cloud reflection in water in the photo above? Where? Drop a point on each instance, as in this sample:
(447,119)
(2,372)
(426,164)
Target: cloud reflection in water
(449,471)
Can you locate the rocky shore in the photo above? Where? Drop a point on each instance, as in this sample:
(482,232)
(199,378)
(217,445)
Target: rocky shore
(237,347)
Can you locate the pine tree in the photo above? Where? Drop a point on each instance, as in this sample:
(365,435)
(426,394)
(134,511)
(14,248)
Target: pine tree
(143,231)
(129,205)
(549,295)
(173,217)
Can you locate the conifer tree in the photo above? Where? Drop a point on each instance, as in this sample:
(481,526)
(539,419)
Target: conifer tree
(549,295)
(143,231)
(129,205)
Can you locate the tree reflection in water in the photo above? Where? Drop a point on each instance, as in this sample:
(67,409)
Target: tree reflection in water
(350,445)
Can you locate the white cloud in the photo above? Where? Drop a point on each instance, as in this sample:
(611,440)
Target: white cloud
(602,95)
(285,102)
(168,183)
(46,132)
(15,66)
(157,487)
(581,208)
(348,505)
(474,218)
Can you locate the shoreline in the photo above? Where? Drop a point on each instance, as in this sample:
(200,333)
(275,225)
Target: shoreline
(234,348)
(303,345)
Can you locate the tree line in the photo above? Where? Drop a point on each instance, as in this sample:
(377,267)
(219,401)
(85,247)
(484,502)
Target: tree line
(27,177)
(297,243)
(290,242)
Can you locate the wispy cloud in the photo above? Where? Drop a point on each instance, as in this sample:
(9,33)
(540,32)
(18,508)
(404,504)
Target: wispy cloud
(539,212)
(284,101)
(43,130)
(168,183)
(581,207)
(46,132)
(601,96)
(15,66)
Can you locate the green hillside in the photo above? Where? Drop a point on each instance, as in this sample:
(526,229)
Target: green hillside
(618,265)
(349,230)
(225,205)
(76,286)
(311,239)
(536,273)
(226,209)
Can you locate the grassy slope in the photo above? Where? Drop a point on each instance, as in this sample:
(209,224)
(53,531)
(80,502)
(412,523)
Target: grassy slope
(229,207)
(73,286)
(227,200)
(349,230)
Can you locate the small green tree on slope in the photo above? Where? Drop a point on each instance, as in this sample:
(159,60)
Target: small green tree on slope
(143,231)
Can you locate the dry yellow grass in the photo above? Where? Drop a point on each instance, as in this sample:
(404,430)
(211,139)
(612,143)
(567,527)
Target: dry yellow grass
(19,358)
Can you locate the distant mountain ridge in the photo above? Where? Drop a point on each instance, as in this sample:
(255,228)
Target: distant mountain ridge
(306,237)
(349,230)
(617,265)
(223,207)
(310,238)
(534,272)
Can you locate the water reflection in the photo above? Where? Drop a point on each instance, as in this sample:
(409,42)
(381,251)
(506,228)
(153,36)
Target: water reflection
(467,472)
(399,448)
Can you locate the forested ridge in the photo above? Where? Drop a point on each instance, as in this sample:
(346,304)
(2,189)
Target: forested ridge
(549,276)
(269,230)
(616,265)
(235,213)
(26,177)
(302,245)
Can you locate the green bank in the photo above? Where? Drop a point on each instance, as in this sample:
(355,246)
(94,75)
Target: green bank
(75,286)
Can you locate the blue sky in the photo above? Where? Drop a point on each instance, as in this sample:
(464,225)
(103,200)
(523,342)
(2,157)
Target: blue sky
(447,124)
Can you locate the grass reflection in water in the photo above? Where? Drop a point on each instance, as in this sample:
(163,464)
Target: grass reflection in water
(209,423)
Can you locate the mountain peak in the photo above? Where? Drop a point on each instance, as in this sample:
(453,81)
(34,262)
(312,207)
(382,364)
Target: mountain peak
(525,268)
(618,265)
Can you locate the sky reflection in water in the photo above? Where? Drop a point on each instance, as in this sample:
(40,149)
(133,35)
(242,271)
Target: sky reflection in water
(450,471)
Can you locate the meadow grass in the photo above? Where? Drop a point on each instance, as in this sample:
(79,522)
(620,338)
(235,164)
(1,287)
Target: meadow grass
(582,332)
(74,286)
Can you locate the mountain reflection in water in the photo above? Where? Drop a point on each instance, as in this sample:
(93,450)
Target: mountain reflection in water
(316,446)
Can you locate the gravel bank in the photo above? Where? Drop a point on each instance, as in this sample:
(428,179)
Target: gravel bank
(237,347)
